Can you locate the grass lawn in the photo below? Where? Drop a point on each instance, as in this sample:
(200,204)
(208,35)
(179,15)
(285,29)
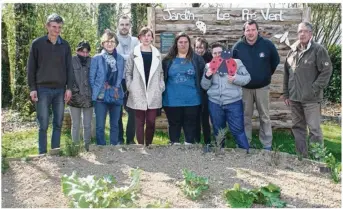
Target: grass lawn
(23,143)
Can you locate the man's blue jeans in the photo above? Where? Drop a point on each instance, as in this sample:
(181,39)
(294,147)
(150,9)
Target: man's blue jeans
(101,109)
(46,98)
(234,116)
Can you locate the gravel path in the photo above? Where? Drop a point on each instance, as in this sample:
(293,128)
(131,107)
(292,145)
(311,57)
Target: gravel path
(37,183)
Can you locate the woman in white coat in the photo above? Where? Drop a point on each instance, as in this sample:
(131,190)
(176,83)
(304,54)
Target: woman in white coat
(145,83)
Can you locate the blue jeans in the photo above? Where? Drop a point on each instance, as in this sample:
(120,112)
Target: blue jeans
(234,116)
(46,98)
(101,109)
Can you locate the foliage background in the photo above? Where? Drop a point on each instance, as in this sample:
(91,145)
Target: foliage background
(22,23)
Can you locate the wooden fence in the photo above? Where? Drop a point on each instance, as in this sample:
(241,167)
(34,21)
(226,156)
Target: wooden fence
(225,25)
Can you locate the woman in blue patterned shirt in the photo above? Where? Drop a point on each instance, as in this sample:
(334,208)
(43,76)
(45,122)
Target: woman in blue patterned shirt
(181,100)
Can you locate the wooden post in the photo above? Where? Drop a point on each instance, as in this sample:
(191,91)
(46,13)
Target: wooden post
(151,20)
(306,14)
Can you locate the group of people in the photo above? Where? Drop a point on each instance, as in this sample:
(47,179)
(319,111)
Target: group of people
(130,73)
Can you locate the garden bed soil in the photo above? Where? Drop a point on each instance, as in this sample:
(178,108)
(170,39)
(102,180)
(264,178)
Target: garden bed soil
(37,182)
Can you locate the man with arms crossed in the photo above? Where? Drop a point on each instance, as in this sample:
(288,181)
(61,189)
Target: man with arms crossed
(307,72)
(125,47)
(260,58)
(49,72)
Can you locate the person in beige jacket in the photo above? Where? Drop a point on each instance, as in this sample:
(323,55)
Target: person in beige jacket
(145,83)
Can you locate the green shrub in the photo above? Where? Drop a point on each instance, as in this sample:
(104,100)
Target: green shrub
(4,163)
(333,90)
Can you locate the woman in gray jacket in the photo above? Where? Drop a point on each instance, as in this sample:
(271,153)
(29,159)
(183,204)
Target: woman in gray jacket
(225,96)
(81,100)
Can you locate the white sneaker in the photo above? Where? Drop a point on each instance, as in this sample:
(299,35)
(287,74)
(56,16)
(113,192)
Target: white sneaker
(186,143)
(176,143)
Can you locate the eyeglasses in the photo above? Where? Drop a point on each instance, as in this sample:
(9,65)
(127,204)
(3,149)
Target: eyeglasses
(109,42)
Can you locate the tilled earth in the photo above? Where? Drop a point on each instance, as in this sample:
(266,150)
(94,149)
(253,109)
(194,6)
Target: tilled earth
(37,183)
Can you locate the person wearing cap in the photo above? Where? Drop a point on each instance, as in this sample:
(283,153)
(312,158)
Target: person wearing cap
(81,100)
(225,96)
(50,76)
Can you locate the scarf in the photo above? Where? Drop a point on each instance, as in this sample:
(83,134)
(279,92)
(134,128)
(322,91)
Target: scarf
(124,46)
(83,60)
(110,59)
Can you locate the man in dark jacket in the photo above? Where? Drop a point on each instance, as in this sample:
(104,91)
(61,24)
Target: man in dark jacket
(201,48)
(307,72)
(50,75)
(260,58)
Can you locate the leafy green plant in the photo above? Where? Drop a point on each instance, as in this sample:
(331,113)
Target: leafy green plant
(238,197)
(193,185)
(272,194)
(318,151)
(335,167)
(93,192)
(72,149)
(269,195)
(158,204)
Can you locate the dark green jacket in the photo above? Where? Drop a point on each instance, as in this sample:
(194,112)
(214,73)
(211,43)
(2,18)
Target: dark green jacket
(306,73)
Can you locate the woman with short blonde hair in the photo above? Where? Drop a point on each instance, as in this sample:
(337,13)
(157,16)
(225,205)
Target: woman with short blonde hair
(106,73)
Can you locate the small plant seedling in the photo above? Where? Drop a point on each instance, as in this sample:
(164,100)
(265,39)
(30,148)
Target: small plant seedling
(159,204)
(193,185)
(73,149)
(275,155)
(318,151)
(335,167)
(220,140)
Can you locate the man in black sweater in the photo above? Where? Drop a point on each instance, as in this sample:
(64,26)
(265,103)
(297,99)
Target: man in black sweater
(50,75)
(201,48)
(260,58)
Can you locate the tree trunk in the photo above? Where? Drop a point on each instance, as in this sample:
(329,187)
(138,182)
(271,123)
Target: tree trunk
(139,17)
(5,69)
(106,19)
(134,20)
(24,29)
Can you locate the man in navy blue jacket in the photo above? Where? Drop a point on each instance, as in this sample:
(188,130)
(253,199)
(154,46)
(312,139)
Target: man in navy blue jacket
(260,58)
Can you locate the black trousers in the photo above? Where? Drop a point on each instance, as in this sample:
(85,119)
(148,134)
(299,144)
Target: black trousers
(130,126)
(182,117)
(203,121)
